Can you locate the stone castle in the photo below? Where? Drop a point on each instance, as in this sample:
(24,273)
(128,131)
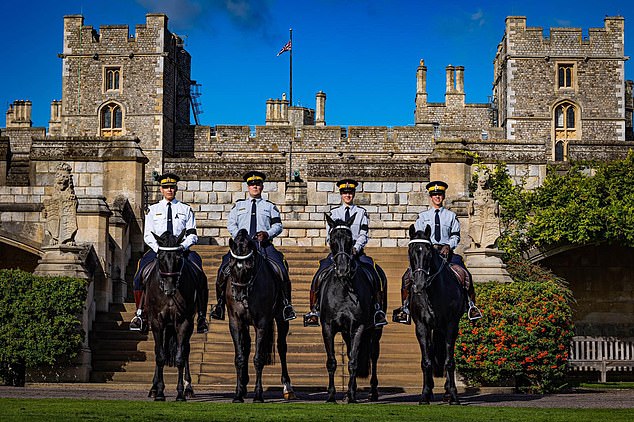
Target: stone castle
(125,113)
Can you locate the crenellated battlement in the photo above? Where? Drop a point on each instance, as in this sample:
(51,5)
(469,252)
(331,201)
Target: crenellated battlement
(521,40)
(111,39)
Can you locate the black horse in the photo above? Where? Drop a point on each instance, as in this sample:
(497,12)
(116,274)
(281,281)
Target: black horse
(437,303)
(170,306)
(347,307)
(255,299)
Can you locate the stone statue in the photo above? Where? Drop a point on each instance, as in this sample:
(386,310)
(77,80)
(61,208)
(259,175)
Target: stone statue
(484,216)
(61,209)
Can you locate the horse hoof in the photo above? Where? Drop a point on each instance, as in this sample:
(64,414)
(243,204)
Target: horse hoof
(331,401)
(159,398)
(189,394)
(290,395)
(258,400)
(238,400)
(152,393)
(181,398)
(374,397)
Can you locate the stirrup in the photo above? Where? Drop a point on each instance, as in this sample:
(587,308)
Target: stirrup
(402,315)
(379,318)
(136,324)
(311,319)
(473,313)
(288,313)
(218,312)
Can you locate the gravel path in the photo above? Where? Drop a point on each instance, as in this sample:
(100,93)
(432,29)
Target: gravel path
(613,399)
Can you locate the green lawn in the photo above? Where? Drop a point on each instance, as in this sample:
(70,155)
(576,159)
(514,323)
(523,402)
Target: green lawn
(50,410)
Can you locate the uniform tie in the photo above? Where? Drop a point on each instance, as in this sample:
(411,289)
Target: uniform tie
(437,226)
(253,227)
(170,225)
(347,213)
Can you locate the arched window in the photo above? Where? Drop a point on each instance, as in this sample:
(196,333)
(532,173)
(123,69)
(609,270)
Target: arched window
(112,76)
(111,120)
(566,128)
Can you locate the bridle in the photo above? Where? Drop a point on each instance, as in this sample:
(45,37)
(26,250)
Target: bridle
(345,254)
(176,274)
(240,259)
(426,272)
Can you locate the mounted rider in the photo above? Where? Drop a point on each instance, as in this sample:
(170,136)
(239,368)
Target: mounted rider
(171,215)
(261,218)
(359,227)
(445,236)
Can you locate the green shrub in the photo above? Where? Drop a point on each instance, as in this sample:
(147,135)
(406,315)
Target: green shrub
(524,335)
(39,321)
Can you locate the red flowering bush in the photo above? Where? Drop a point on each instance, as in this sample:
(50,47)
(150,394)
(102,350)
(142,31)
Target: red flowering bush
(524,335)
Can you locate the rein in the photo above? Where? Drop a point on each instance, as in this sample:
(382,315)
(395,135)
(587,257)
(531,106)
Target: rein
(253,272)
(173,273)
(347,255)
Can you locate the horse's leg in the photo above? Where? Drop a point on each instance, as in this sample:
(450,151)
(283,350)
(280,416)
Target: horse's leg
(239,338)
(354,347)
(259,360)
(376,350)
(158,385)
(451,392)
(282,348)
(331,361)
(182,358)
(423,336)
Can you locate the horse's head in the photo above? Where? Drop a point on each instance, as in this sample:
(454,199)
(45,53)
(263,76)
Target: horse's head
(170,261)
(421,253)
(341,245)
(242,248)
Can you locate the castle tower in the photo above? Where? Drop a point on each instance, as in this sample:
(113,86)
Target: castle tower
(566,90)
(116,84)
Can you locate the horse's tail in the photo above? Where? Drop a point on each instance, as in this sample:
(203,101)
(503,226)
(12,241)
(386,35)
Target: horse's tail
(170,346)
(363,358)
(440,353)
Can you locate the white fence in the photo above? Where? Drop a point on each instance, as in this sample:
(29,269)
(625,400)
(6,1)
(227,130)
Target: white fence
(601,354)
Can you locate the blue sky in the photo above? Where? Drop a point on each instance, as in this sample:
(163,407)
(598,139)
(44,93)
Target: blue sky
(362,54)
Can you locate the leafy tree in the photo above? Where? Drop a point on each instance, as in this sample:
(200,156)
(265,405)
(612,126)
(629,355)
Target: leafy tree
(39,322)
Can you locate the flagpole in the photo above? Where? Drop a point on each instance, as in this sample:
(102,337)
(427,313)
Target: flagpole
(290,82)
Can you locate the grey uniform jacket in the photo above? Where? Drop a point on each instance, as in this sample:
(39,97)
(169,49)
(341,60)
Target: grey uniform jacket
(268,217)
(449,226)
(359,226)
(182,219)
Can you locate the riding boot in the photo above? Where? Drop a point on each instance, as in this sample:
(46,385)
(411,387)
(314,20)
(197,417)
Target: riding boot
(379,314)
(311,319)
(402,314)
(202,298)
(218,310)
(288,312)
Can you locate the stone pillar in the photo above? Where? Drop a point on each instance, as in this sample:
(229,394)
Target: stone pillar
(421,84)
(486,265)
(450,164)
(460,79)
(93,214)
(120,235)
(320,109)
(55,123)
(449,86)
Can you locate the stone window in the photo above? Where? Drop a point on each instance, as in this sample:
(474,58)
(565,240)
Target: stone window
(566,128)
(111,120)
(112,79)
(565,75)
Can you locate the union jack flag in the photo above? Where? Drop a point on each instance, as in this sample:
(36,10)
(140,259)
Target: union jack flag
(287,47)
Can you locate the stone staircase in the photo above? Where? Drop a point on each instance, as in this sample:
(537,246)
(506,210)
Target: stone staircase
(122,356)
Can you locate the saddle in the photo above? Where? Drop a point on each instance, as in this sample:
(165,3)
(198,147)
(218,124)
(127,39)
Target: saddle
(461,275)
